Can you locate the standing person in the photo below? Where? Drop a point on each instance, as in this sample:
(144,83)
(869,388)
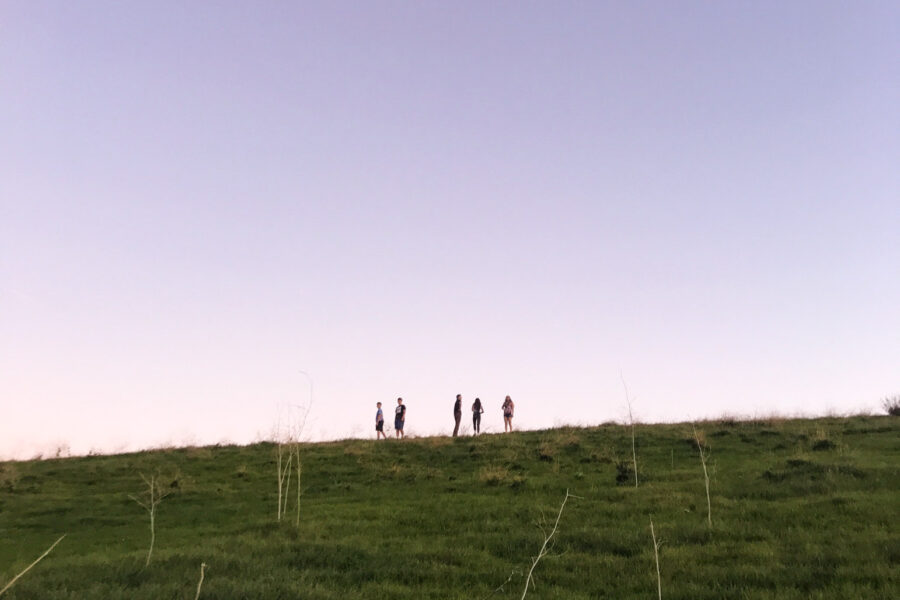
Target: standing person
(399,417)
(457,413)
(379,424)
(508,409)
(477,409)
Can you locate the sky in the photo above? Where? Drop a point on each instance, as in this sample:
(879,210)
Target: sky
(212,213)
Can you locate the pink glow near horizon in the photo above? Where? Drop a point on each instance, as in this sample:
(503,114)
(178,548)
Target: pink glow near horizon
(420,200)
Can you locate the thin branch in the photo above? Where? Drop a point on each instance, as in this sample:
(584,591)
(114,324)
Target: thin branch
(703,456)
(656,545)
(631,421)
(200,584)
(543,550)
(28,568)
(155,495)
(513,573)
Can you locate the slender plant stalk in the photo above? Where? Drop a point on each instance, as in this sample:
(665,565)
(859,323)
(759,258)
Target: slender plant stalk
(28,568)
(155,496)
(543,550)
(703,456)
(290,440)
(631,420)
(656,545)
(200,584)
(278,453)
(287,487)
(299,490)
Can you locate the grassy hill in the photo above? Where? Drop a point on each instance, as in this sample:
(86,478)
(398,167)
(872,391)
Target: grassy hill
(800,509)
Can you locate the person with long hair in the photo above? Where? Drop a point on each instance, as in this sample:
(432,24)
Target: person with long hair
(508,409)
(477,409)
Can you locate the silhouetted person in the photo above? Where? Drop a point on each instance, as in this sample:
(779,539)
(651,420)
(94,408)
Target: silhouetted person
(457,413)
(477,409)
(508,409)
(399,417)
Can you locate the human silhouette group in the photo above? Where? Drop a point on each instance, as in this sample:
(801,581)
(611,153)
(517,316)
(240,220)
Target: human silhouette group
(508,407)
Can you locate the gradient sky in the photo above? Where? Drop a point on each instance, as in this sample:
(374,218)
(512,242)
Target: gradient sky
(200,199)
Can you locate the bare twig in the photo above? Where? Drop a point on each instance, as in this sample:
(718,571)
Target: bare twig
(155,495)
(28,568)
(656,545)
(290,440)
(299,489)
(543,550)
(513,573)
(704,454)
(200,584)
(631,421)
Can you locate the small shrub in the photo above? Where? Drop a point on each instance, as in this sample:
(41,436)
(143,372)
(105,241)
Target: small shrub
(355,450)
(892,405)
(603,455)
(569,440)
(624,472)
(9,477)
(824,444)
(493,475)
(546,451)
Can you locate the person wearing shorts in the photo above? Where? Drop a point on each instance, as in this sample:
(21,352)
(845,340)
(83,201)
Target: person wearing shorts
(379,424)
(477,409)
(508,409)
(399,417)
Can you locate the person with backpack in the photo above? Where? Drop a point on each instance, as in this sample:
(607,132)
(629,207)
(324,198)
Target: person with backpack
(399,418)
(508,409)
(457,413)
(379,423)
(477,409)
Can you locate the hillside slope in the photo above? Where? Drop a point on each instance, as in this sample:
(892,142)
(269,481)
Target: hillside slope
(800,509)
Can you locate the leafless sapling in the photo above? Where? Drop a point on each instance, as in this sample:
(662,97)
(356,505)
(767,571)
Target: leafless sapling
(150,500)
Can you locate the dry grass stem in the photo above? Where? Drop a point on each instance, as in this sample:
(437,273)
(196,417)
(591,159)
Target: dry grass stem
(289,441)
(28,568)
(704,455)
(656,545)
(631,421)
(200,584)
(543,550)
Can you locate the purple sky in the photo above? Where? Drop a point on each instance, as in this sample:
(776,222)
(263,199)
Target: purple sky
(197,200)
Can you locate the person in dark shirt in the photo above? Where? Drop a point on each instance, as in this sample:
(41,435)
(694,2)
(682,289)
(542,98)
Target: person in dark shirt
(457,413)
(379,424)
(399,418)
(477,409)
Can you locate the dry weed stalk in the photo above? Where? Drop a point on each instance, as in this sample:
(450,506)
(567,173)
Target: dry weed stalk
(155,495)
(543,550)
(631,421)
(656,545)
(200,584)
(704,455)
(501,588)
(289,442)
(28,568)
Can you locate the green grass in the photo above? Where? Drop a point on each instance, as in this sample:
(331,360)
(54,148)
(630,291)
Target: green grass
(800,509)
